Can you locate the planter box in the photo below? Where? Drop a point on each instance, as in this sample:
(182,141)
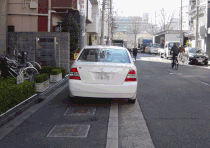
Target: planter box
(55,78)
(41,87)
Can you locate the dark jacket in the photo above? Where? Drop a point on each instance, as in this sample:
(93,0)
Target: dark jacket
(134,51)
(175,50)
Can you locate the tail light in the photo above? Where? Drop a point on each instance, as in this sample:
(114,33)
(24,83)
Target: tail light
(131,76)
(74,74)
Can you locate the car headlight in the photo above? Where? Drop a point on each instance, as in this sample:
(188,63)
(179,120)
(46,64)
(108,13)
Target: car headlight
(207,56)
(191,56)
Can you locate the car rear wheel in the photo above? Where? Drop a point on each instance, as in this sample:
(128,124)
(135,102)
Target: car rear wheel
(73,99)
(132,100)
(206,63)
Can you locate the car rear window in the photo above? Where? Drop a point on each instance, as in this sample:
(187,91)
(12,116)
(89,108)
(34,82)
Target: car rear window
(104,55)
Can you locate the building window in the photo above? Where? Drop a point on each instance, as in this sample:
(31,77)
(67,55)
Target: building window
(11,28)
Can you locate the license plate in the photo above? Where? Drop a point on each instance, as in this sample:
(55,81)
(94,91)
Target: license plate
(200,60)
(101,76)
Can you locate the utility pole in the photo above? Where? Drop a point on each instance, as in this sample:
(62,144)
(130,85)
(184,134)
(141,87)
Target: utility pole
(109,12)
(102,23)
(208,28)
(196,34)
(82,25)
(164,19)
(110,23)
(181,36)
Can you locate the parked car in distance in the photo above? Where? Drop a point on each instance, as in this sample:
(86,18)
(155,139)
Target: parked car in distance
(146,49)
(153,49)
(196,56)
(104,72)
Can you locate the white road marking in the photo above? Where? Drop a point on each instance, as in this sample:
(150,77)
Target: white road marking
(205,83)
(133,131)
(112,134)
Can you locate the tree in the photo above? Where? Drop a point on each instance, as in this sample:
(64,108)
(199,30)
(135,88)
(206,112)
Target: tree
(152,29)
(69,24)
(166,24)
(90,40)
(135,29)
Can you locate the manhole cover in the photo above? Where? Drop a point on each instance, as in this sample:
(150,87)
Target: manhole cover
(80,111)
(69,131)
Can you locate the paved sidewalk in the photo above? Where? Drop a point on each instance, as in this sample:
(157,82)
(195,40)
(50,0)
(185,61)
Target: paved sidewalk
(31,101)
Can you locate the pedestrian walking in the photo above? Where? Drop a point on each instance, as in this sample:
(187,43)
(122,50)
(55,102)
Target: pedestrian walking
(134,52)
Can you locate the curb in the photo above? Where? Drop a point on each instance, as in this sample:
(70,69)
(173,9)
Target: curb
(17,110)
(112,133)
(26,104)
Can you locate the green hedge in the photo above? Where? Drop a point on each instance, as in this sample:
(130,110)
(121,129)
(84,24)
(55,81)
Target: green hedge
(47,69)
(41,78)
(12,94)
(55,72)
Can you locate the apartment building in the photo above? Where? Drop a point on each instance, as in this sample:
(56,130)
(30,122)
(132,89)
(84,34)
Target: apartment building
(202,15)
(94,28)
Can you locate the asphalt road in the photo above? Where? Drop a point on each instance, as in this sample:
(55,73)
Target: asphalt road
(172,111)
(174,103)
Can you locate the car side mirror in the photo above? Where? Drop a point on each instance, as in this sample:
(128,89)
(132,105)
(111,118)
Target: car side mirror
(133,59)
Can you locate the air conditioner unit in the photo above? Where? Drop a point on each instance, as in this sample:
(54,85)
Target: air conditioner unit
(33,5)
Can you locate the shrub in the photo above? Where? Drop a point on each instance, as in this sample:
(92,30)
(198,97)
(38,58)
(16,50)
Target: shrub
(41,78)
(47,69)
(12,94)
(55,72)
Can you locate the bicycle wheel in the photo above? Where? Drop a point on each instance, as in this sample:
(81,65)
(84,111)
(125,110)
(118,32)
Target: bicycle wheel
(29,73)
(176,64)
(36,65)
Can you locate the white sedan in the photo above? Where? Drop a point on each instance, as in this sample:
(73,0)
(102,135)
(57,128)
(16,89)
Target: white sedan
(104,72)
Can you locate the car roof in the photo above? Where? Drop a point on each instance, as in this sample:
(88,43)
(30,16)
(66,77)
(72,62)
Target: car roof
(104,46)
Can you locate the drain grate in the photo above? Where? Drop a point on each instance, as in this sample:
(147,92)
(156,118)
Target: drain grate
(69,131)
(80,111)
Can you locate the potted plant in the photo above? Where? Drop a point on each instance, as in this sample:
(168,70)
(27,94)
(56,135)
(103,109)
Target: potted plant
(55,75)
(41,82)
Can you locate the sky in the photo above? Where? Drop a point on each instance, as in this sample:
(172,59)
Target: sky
(138,7)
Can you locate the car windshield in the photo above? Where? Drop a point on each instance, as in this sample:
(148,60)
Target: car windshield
(192,50)
(199,51)
(104,55)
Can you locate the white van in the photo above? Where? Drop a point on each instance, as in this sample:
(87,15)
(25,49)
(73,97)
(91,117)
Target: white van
(168,46)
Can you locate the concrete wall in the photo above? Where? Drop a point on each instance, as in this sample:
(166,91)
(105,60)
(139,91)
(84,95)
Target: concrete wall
(26,41)
(3,25)
(22,23)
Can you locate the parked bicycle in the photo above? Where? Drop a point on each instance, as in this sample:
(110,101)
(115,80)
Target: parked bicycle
(14,68)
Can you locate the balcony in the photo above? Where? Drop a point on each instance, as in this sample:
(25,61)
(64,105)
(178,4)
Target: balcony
(63,5)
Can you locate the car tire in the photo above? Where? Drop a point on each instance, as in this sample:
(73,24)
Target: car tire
(73,99)
(206,63)
(132,101)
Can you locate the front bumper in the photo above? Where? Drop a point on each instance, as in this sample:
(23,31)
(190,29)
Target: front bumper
(80,89)
(198,60)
